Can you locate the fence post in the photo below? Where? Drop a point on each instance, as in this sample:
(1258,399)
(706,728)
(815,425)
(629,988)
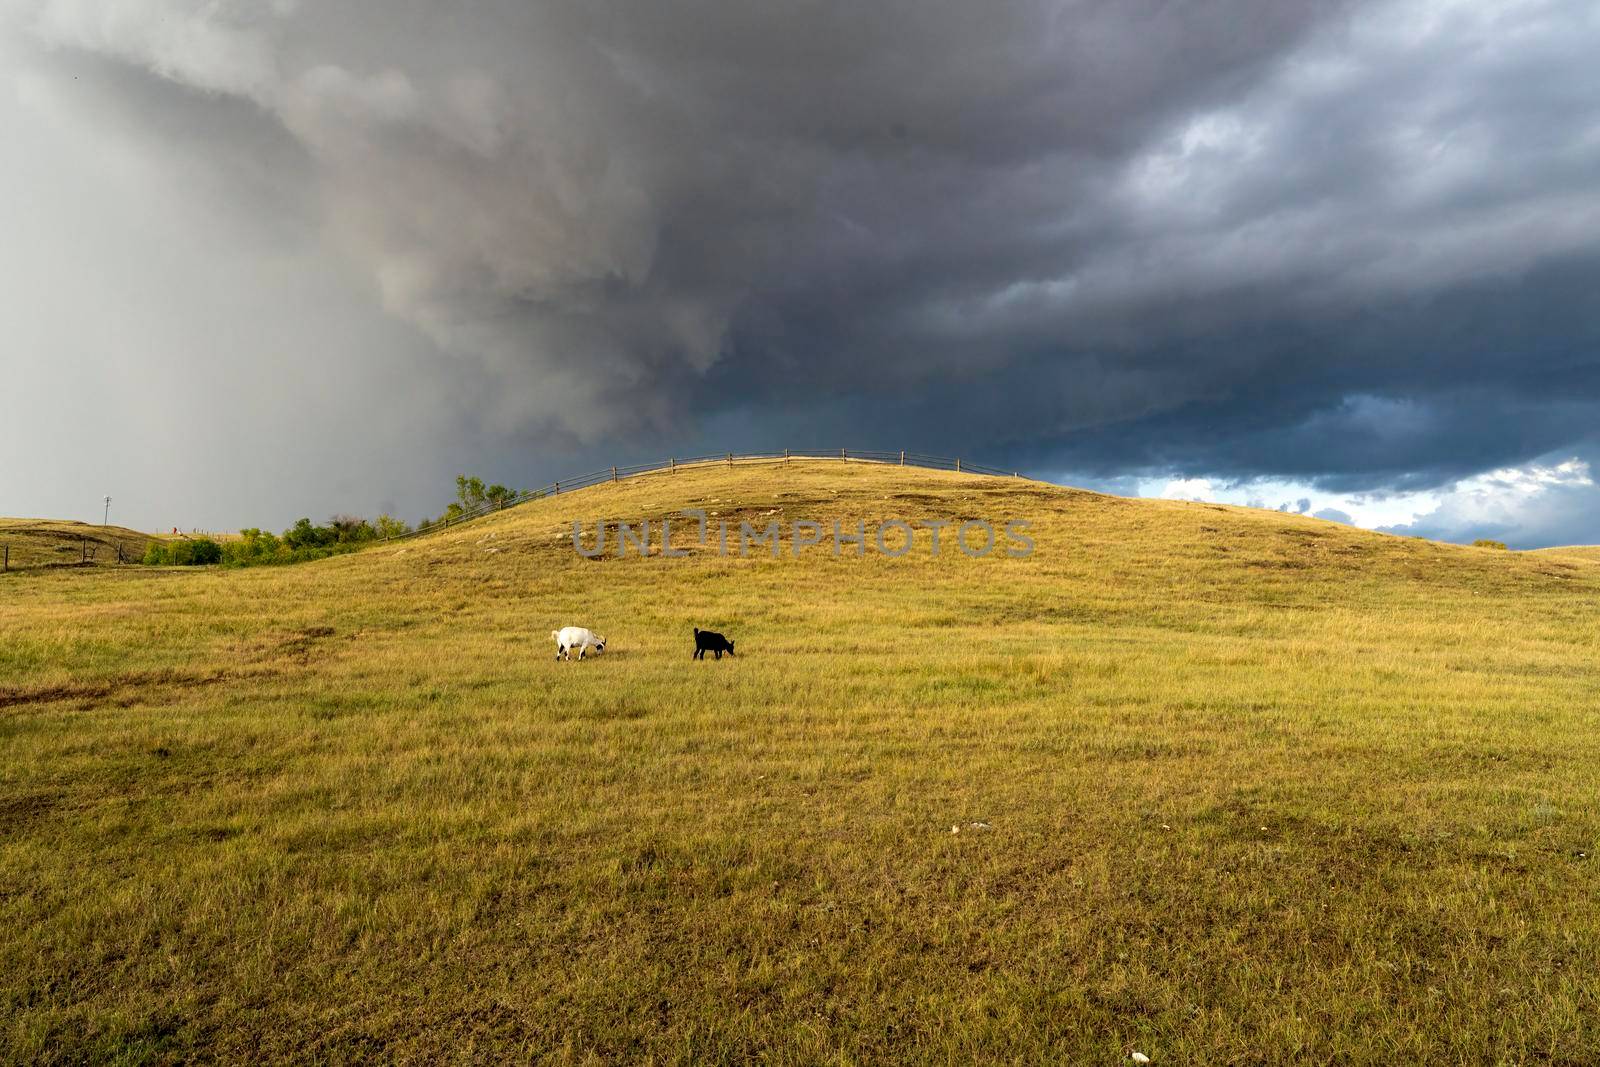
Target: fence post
(613,473)
(902,457)
(958,464)
(786,455)
(556,490)
(730,459)
(843,456)
(673,469)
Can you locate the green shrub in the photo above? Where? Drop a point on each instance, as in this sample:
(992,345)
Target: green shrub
(1484,542)
(350,529)
(301,543)
(199,552)
(304,535)
(306,540)
(203,552)
(388,526)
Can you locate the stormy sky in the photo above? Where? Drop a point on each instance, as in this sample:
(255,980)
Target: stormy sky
(278,257)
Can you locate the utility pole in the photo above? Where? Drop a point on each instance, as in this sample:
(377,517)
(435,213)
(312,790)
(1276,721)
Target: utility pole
(106,518)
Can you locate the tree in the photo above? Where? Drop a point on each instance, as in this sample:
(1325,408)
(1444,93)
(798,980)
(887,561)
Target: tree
(253,546)
(350,529)
(259,542)
(304,535)
(470,492)
(499,496)
(388,526)
(203,551)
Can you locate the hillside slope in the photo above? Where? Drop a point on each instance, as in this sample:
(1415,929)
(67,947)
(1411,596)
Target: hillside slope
(48,542)
(1210,783)
(1588,553)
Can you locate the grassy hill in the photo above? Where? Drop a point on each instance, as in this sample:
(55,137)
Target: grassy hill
(51,542)
(1584,552)
(1213,784)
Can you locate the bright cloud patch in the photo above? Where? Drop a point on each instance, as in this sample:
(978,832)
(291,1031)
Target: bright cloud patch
(1190,489)
(1527,507)
(1536,505)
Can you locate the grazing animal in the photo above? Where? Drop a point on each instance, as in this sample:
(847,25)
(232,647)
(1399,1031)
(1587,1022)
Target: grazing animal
(707,641)
(576,637)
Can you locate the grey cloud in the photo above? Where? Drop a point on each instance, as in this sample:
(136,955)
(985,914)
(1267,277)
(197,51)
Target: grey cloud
(1329,241)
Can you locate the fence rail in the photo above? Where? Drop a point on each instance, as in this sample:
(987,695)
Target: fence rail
(731,459)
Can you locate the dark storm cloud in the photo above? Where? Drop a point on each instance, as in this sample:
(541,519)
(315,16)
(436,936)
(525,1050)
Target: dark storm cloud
(1348,243)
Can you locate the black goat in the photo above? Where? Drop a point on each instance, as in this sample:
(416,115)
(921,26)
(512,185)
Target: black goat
(706,641)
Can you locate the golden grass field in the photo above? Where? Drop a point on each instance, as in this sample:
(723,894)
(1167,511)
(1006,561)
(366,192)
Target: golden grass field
(1258,788)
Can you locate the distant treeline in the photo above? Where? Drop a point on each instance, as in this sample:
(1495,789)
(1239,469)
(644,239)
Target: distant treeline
(307,541)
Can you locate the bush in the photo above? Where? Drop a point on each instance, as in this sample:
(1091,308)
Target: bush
(203,552)
(306,540)
(200,552)
(254,546)
(304,535)
(350,529)
(1484,542)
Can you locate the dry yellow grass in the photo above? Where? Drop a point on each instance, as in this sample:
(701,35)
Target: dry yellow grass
(1588,553)
(52,542)
(1257,788)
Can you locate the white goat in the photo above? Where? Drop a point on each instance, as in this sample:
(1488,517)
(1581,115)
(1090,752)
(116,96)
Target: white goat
(576,637)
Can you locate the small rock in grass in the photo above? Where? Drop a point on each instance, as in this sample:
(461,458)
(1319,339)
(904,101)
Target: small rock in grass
(955,829)
(1139,1057)
(979,826)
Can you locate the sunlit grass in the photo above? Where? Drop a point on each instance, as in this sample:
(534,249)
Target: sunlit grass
(1257,787)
